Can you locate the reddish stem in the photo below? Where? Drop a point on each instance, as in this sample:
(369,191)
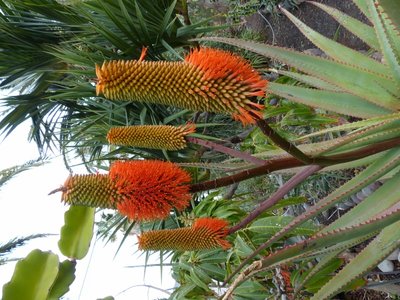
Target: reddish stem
(229,151)
(278,195)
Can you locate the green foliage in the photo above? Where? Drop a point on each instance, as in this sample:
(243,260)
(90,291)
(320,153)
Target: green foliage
(8,247)
(312,97)
(33,277)
(65,277)
(77,232)
(347,83)
(9,173)
(40,276)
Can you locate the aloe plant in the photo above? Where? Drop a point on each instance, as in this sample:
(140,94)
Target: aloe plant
(350,83)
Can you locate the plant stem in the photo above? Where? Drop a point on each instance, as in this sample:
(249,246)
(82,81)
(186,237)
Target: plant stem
(282,143)
(229,151)
(278,195)
(289,147)
(291,162)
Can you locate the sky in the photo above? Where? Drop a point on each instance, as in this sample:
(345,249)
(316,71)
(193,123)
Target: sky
(27,209)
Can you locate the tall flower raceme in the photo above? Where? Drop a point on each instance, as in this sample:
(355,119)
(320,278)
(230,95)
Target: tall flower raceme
(151,136)
(141,189)
(206,233)
(208,79)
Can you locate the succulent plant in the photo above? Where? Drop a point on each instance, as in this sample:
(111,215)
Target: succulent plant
(351,83)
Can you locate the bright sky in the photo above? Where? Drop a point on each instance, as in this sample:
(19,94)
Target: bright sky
(27,209)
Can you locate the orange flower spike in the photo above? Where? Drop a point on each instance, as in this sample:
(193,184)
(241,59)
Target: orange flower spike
(206,233)
(208,80)
(142,189)
(151,136)
(150,188)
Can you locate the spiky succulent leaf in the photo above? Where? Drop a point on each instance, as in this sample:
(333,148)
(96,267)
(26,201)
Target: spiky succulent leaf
(372,173)
(362,5)
(391,9)
(338,51)
(384,244)
(361,30)
(310,80)
(389,41)
(339,102)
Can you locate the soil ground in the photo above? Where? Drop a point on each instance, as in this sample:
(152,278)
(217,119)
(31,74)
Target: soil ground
(287,35)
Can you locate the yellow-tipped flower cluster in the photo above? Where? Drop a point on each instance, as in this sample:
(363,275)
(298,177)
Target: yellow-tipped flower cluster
(94,190)
(208,80)
(206,233)
(151,136)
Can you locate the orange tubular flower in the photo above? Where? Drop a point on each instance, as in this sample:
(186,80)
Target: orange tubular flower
(208,80)
(151,188)
(142,189)
(206,233)
(151,136)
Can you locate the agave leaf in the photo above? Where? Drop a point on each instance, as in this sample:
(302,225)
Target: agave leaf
(374,134)
(325,260)
(387,195)
(360,83)
(310,80)
(330,238)
(391,53)
(65,277)
(372,173)
(338,51)
(362,5)
(270,225)
(77,231)
(391,8)
(358,28)
(342,103)
(353,125)
(387,241)
(33,277)
(323,275)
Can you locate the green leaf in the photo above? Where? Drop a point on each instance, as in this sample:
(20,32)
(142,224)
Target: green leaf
(362,5)
(388,41)
(65,277)
(338,51)
(271,225)
(250,290)
(323,275)
(342,103)
(391,9)
(387,196)
(387,241)
(310,80)
(242,248)
(77,231)
(33,277)
(200,278)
